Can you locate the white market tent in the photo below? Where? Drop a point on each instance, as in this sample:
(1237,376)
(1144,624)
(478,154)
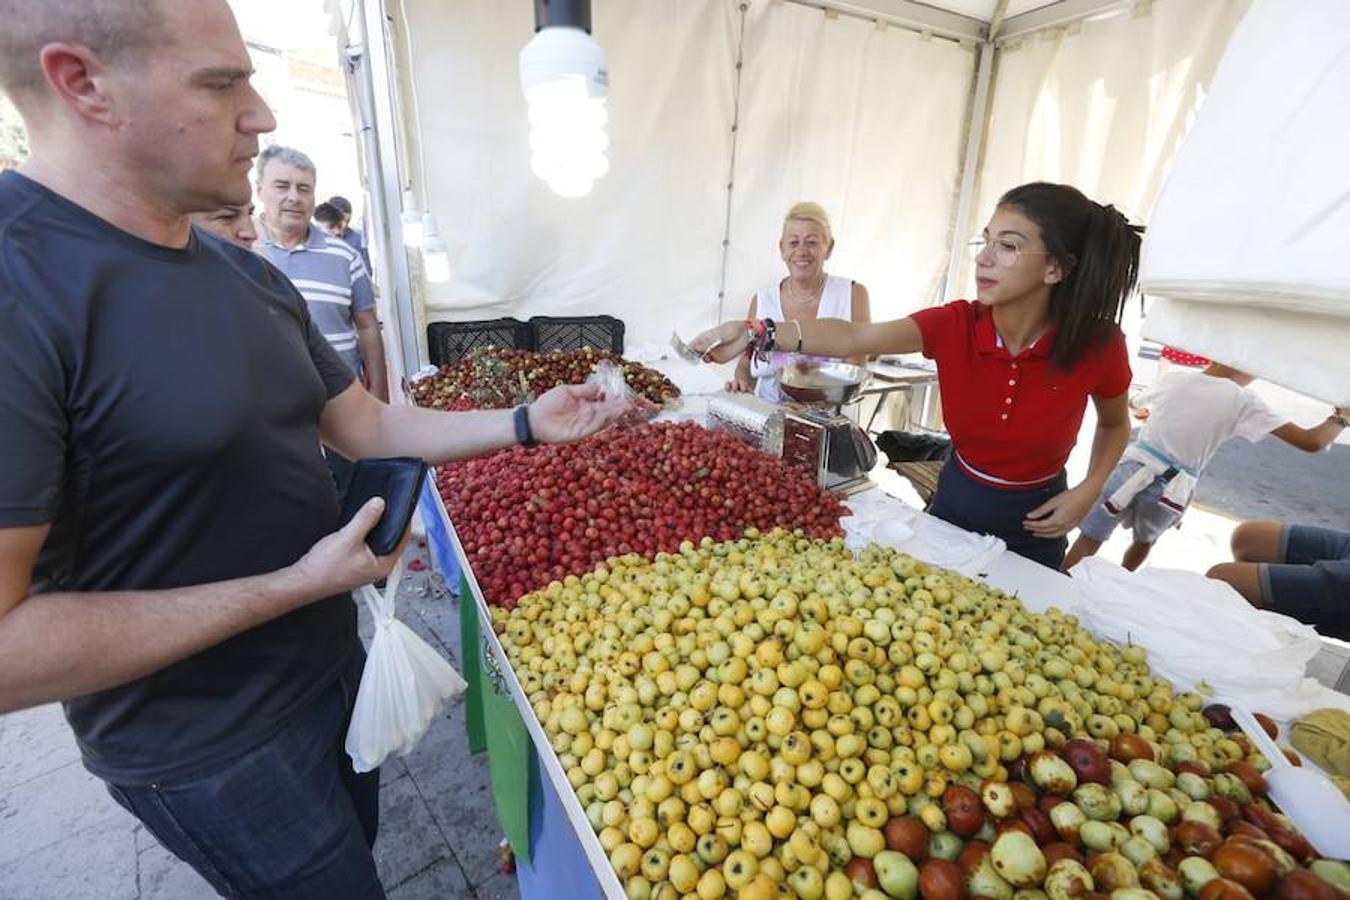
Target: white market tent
(1248,257)
(905,120)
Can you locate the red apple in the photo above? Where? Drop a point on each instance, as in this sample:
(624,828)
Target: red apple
(860,872)
(1087,760)
(907,835)
(1250,775)
(1126,747)
(964,811)
(971,855)
(941,880)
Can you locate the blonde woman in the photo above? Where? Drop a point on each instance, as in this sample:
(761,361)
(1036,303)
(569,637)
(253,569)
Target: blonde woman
(807,292)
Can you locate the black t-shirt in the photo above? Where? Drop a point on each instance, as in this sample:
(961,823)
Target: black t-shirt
(159,408)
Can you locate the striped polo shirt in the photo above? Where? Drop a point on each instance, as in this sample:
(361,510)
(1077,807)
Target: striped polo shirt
(331,277)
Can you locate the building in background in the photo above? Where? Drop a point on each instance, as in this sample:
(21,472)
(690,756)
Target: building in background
(298,74)
(296,59)
(13,139)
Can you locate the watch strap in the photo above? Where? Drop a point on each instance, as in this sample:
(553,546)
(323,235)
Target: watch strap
(521,418)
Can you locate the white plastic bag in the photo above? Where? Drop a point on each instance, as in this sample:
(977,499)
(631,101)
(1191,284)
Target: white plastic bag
(875,517)
(1200,633)
(614,383)
(404,685)
(940,543)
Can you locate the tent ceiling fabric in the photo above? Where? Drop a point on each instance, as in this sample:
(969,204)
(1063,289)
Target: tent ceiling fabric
(1069,107)
(868,120)
(865,120)
(1245,255)
(1066,108)
(646,245)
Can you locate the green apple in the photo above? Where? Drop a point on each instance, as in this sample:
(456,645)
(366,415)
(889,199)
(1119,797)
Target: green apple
(896,874)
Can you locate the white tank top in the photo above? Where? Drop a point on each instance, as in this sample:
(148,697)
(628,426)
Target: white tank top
(836,302)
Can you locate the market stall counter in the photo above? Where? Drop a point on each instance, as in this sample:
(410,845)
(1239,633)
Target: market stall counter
(556,846)
(577,568)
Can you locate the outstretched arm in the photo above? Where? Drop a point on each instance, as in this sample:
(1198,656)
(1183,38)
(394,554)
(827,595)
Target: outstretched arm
(359,426)
(821,337)
(1319,437)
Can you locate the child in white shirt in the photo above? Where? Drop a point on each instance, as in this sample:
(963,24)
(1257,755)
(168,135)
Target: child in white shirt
(1190,415)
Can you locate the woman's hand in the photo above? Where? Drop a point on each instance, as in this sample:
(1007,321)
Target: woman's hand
(742,382)
(1060,514)
(723,343)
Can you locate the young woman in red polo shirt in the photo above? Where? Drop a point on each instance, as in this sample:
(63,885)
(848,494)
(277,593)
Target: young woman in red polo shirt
(1016,368)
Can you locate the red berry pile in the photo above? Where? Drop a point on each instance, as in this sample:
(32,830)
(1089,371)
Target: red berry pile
(528,517)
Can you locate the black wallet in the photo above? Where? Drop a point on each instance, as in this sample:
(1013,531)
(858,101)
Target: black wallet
(398,480)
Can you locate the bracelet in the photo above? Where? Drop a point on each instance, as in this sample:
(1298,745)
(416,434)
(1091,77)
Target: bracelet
(1339,420)
(753,329)
(762,335)
(521,419)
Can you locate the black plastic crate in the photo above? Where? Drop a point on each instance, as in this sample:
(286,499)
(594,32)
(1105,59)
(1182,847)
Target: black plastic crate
(576,332)
(449,341)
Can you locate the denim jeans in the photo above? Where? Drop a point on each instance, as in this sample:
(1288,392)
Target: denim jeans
(289,819)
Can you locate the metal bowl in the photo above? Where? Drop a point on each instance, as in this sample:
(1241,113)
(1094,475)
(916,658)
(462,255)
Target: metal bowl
(828,381)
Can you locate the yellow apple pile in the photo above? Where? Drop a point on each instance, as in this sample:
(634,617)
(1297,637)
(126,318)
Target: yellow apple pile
(743,718)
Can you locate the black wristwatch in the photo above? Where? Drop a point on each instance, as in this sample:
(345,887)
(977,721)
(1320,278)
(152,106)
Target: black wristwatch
(521,417)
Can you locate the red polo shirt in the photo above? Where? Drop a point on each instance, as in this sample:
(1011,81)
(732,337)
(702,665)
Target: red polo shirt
(1013,419)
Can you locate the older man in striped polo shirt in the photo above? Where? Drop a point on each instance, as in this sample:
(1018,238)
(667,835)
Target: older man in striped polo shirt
(326,270)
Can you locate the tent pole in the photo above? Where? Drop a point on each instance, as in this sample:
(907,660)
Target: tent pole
(979,110)
(378,81)
(731,164)
(908,14)
(1056,15)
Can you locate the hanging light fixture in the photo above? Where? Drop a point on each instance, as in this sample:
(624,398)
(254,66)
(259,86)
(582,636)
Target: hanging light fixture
(435,256)
(563,75)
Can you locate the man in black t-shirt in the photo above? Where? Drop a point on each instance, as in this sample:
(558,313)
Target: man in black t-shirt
(170,563)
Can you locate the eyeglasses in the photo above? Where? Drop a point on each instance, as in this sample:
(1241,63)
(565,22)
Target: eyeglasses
(1005,253)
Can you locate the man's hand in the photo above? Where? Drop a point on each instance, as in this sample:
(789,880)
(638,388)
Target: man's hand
(723,343)
(343,560)
(570,412)
(1059,515)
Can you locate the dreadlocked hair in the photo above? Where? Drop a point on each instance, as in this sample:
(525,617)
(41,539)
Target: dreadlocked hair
(1097,248)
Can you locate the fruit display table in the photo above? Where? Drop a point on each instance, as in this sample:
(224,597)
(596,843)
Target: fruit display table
(539,812)
(535,799)
(1002,707)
